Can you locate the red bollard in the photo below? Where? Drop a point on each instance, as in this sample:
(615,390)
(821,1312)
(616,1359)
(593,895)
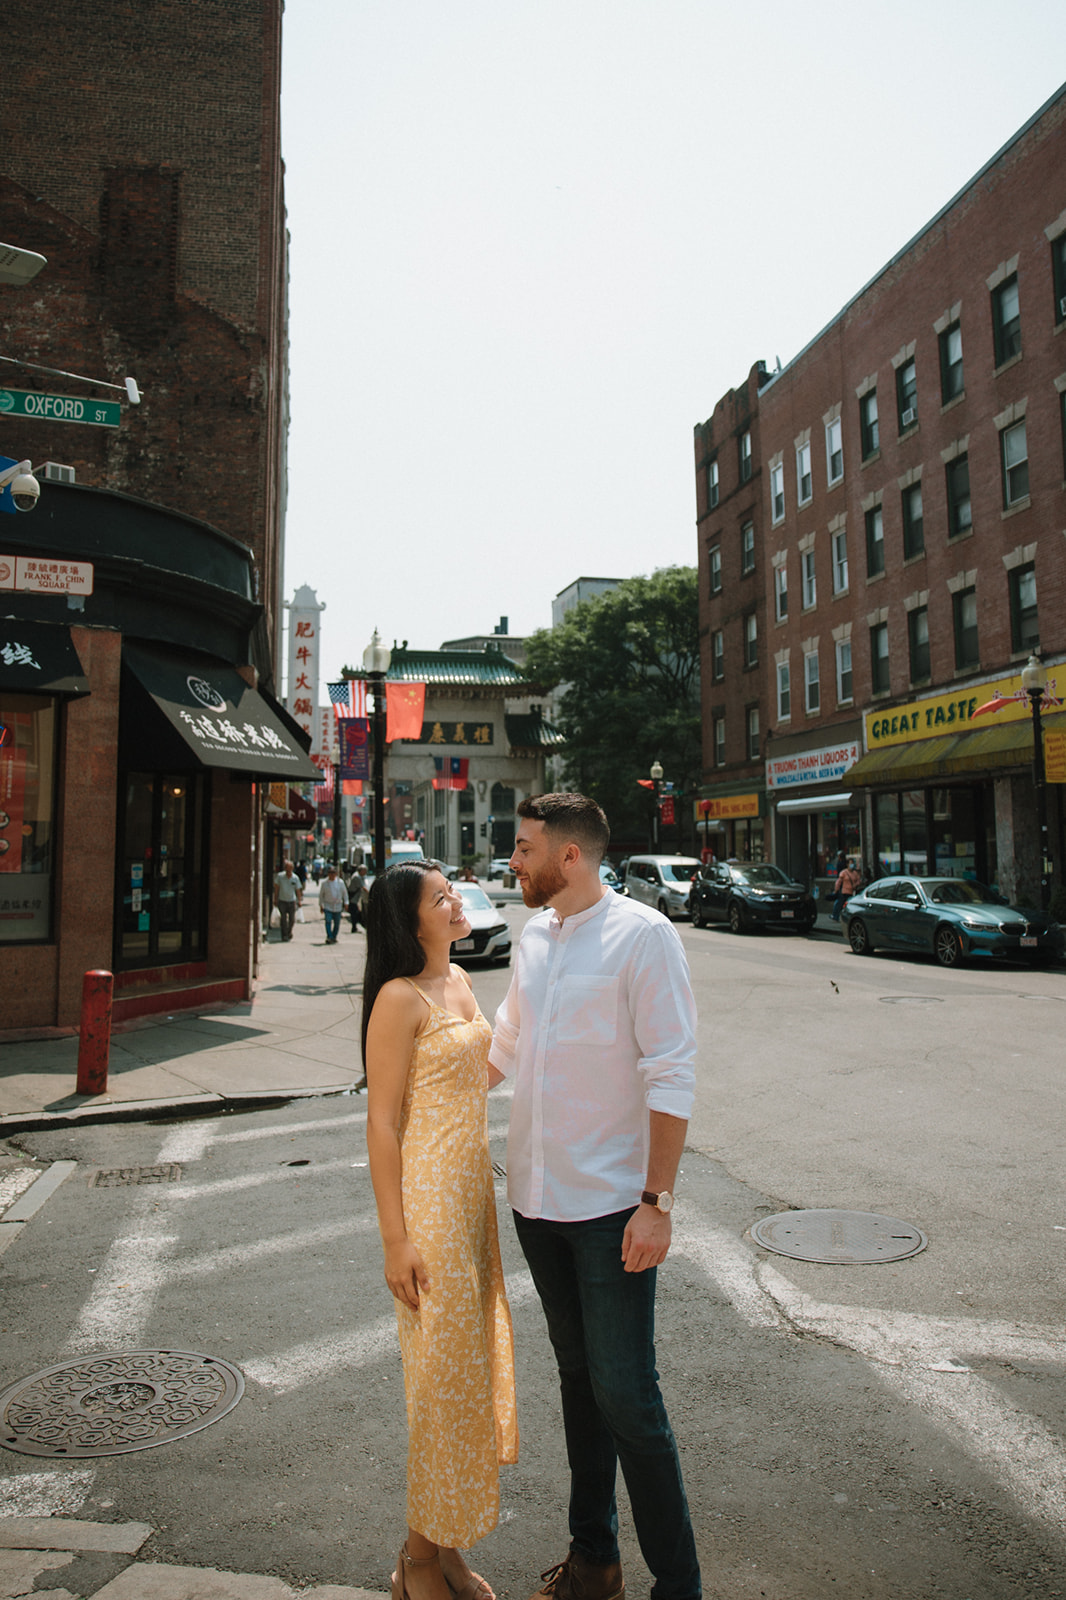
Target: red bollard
(94,1048)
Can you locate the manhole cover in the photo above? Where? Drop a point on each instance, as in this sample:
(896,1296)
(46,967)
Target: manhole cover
(910,1000)
(843,1238)
(109,1404)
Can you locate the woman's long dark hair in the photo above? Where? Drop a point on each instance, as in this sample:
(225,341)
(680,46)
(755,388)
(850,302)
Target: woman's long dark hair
(392,947)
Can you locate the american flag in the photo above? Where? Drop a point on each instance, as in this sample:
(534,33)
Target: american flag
(349,697)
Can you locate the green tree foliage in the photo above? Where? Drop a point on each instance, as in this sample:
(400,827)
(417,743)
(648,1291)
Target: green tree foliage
(628,661)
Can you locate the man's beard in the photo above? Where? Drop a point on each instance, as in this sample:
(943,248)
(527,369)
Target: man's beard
(542,887)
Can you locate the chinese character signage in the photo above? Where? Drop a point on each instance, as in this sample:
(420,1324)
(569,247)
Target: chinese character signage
(42,576)
(354,736)
(469,733)
(302,700)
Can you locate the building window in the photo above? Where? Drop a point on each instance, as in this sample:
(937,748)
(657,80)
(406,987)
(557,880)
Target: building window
(784,692)
(918,643)
(840,561)
(810,587)
(834,451)
(712,485)
(907,395)
(804,484)
(751,640)
(879,678)
(869,430)
(951,382)
(1058,275)
(747,547)
(960,515)
(28,797)
(1006,321)
(811,691)
(1024,627)
(714,557)
(717,654)
(844,672)
(162,836)
(1015,464)
(777,492)
(781,592)
(745,455)
(964,608)
(719,741)
(875,542)
(753,733)
(913,525)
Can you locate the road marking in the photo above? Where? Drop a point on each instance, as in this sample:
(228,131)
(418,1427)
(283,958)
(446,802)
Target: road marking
(120,1305)
(326,1124)
(285,1243)
(252,1180)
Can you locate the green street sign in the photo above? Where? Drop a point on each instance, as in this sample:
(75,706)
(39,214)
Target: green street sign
(60,408)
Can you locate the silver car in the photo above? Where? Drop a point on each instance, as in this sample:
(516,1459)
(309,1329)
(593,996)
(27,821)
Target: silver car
(489,938)
(662,881)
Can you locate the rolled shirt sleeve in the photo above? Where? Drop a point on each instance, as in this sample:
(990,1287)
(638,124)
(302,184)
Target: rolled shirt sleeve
(663,1009)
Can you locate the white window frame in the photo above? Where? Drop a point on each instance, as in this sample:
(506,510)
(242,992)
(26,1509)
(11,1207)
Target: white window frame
(834,446)
(751,640)
(784,692)
(812,691)
(803,458)
(753,733)
(1012,467)
(719,741)
(777,493)
(810,580)
(712,484)
(844,649)
(744,456)
(747,548)
(717,655)
(714,568)
(781,592)
(840,560)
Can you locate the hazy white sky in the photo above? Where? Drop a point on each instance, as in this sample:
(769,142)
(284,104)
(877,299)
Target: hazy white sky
(534,241)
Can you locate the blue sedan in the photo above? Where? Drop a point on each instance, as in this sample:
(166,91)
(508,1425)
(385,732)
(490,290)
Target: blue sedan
(949,918)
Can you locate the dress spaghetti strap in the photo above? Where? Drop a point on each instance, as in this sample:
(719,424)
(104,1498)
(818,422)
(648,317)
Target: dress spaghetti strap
(419,992)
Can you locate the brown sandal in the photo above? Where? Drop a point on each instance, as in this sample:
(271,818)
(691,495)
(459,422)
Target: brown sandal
(399,1585)
(475,1588)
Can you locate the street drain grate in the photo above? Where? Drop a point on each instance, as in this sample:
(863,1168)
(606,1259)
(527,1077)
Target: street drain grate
(110,1404)
(124,1177)
(840,1238)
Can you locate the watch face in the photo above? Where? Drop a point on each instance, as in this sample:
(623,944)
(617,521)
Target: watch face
(665,1201)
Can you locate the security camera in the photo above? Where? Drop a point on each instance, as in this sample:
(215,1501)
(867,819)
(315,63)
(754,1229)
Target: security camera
(25,491)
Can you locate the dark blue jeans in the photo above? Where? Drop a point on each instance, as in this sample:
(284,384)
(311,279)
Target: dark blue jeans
(601,1322)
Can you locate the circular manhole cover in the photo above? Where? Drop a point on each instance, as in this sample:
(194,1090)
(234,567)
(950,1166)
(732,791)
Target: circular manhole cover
(106,1405)
(843,1238)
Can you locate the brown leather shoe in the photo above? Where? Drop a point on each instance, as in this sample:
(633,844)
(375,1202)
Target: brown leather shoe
(578,1578)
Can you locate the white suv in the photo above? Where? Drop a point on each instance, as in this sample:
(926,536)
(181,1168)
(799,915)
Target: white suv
(662,881)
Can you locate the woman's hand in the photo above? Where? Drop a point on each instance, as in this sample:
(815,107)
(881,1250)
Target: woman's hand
(405,1273)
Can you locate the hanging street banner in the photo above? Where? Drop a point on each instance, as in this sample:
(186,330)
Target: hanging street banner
(354,737)
(60,408)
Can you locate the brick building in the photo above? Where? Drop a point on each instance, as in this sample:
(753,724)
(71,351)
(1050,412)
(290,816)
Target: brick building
(141,156)
(896,551)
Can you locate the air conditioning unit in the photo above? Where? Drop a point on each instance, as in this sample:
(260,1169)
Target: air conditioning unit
(909,416)
(55,472)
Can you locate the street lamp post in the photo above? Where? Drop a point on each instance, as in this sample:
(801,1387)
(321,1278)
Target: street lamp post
(1034,683)
(335,762)
(376,659)
(656,775)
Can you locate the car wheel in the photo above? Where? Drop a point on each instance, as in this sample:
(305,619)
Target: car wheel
(665,909)
(736,918)
(697,915)
(947,946)
(860,939)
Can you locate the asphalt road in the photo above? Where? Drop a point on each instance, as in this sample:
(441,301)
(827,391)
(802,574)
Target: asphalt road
(886,1432)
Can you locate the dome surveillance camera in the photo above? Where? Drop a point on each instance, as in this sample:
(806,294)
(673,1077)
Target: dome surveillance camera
(25,491)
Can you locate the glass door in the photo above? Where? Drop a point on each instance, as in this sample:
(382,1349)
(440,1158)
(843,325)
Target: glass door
(161,869)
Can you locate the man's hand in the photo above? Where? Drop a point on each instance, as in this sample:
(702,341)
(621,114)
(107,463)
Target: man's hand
(646,1240)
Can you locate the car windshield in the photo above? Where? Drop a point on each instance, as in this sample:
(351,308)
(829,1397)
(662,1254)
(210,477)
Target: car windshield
(680,871)
(962,892)
(760,873)
(474,899)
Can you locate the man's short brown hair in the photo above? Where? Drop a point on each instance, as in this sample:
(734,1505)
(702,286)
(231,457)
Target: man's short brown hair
(571,817)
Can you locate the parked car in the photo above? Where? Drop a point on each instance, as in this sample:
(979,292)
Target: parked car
(751,894)
(610,877)
(662,882)
(489,938)
(498,866)
(949,918)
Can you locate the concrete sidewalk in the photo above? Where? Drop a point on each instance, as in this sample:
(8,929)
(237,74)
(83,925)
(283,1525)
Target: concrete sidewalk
(299,1035)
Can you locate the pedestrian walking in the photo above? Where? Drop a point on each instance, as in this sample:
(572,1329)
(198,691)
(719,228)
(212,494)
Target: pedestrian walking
(848,880)
(597,1033)
(425,1054)
(332,900)
(288,897)
(357,898)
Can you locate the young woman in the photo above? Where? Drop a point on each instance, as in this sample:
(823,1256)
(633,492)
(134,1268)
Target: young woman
(425,1054)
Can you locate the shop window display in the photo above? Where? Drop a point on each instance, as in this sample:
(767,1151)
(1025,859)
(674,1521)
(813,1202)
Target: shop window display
(27,817)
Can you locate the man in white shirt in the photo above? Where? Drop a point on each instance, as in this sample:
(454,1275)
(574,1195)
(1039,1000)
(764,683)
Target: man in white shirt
(598,1033)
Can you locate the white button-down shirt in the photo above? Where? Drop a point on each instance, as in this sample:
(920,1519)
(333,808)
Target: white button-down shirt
(597,1030)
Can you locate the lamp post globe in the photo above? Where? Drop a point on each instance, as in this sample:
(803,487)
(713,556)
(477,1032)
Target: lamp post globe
(655,773)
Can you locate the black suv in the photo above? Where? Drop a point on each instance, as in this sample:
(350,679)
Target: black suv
(751,894)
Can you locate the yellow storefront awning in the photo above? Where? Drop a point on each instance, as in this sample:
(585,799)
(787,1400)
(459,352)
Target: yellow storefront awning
(991,749)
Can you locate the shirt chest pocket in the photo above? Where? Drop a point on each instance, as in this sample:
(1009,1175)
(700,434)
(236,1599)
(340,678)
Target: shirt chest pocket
(586,1011)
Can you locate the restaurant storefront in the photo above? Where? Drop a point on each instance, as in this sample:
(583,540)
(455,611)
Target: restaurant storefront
(731,827)
(950,780)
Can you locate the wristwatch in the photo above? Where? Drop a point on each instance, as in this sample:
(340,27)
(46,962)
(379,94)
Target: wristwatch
(663,1201)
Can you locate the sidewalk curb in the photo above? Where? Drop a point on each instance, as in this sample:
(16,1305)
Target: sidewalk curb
(165,1110)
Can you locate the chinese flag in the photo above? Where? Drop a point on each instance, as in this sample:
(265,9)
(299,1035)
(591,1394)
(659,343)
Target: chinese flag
(405,705)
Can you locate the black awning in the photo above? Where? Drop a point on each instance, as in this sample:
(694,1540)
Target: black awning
(223,720)
(39,658)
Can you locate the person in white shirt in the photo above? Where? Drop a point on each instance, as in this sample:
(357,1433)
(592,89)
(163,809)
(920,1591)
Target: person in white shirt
(332,900)
(598,1035)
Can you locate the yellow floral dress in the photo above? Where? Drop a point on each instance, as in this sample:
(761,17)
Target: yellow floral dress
(458,1353)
